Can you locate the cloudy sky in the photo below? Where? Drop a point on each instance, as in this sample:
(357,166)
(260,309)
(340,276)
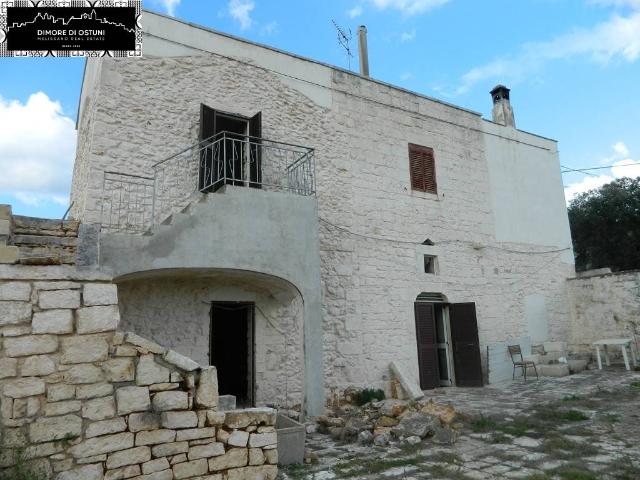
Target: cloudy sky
(573,67)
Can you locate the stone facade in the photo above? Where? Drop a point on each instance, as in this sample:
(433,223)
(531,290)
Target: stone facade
(604,306)
(82,400)
(372,224)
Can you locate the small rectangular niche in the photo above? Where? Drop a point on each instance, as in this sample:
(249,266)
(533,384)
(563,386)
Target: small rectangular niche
(430,264)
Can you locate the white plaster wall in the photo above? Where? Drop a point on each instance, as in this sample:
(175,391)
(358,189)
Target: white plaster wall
(605,306)
(527,203)
(176,312)
(371,223)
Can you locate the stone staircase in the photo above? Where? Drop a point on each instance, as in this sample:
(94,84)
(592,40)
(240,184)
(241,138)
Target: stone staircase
(36,241)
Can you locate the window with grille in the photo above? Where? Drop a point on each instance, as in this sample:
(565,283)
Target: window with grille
(422,168)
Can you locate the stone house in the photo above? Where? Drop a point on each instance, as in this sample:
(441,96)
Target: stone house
(301,226)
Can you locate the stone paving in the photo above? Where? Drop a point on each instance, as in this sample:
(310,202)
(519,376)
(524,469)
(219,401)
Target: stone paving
(581,427)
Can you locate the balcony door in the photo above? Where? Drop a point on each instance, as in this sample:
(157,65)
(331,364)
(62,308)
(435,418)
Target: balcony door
(232,153)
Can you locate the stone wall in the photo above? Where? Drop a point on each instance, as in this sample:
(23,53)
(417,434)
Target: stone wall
(80,400)
(604,306)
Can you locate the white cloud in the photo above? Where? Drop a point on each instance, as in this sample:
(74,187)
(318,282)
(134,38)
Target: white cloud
(270,28)
(635,4)
(409,7)
(37,149)
(169,6)
(241,10)
(354,12)
(621,166)
(617,38)
(406,76)
(408,36)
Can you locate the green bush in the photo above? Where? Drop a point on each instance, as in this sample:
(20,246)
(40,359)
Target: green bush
(368,395)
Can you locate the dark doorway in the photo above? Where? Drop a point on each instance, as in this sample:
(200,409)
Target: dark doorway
(466,346)
(232,349)
(237,158)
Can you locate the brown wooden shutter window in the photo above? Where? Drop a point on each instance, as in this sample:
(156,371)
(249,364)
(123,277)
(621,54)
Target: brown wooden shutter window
(422,169)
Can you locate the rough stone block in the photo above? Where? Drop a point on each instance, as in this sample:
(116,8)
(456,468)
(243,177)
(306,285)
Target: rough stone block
(264,472)
(99,408)
(173,448)
(14,312)
(97,319)
(238,438)
(60,391)
(58,299)
(207,389)
(256,456)
(15,330)
(180,361)
(156,465)
(53,321)
(215,418)
(144,421)
(179,419)
(190,469)
(24,387)
(83,373)
(271,456)
(30,345)
(99,294)
(85,392)
(9,254)
(123,473)
(62,408)
(155,437)
(554,370)
(163,401)
(86,472)
(250,416)
(100,445)
(143,343)
(8,367)
(84,349)
(262,439)
(15,291)
(148,371)
(47,429)
(37,365)
(132,399)
(196,433)
(128,457)
(233,458)
(226,402)
(206,451)
(106,427)
(119,369)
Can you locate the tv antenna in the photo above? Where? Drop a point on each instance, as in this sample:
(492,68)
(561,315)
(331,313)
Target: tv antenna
(344,39)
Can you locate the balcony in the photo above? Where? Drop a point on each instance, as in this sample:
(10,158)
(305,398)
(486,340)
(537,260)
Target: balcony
(134,203)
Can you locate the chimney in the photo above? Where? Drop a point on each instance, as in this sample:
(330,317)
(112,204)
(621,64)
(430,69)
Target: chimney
(502,111)
(363,51)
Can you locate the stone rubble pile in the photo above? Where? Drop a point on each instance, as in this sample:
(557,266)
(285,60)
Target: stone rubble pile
(81,401)
(382,422)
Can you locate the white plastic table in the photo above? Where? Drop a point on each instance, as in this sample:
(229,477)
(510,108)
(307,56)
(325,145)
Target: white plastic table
(619,342)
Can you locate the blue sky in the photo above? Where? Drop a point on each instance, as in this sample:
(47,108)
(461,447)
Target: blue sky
(573,67)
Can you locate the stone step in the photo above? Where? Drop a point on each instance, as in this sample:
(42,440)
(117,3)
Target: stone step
(43,240)
(43,226)
(46,255)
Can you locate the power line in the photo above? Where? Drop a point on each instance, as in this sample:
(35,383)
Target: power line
(585,170)
(443,242)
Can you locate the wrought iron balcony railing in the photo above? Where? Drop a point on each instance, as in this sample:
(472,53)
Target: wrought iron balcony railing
(133,203)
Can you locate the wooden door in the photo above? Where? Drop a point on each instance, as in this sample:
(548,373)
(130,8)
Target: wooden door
(466,346)
(427,345)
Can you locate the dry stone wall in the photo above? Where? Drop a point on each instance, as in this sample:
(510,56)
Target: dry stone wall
(604,306)
(80,400)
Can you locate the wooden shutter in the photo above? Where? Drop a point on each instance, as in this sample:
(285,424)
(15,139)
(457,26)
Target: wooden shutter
(427,347)
(255,164)
(207,122)
(422,168)
(466,347)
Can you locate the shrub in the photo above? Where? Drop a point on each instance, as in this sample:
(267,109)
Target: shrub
(368,395)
